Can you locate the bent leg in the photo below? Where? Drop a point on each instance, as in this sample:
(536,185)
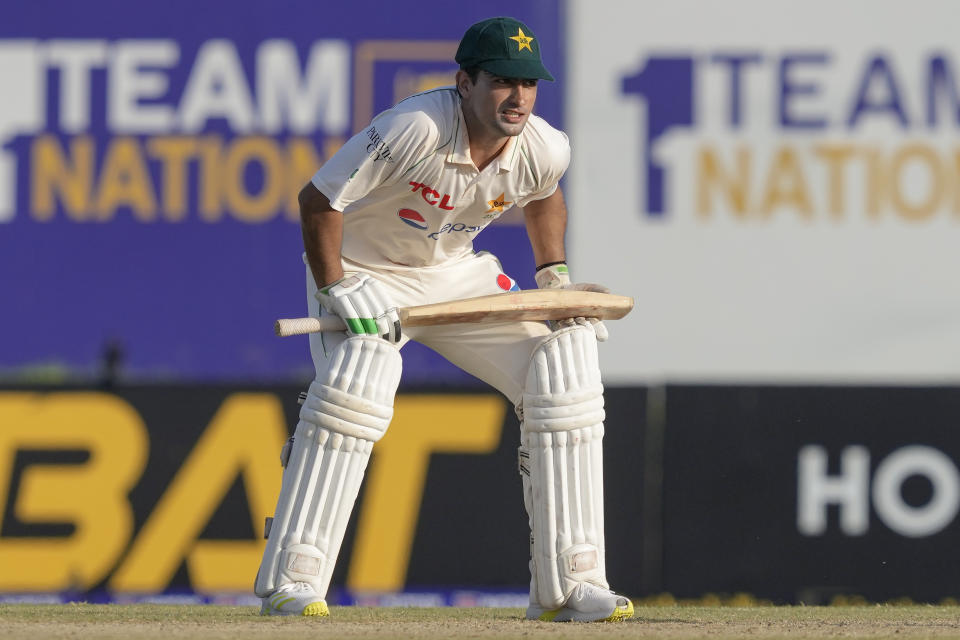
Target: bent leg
(345,412)
(561,465)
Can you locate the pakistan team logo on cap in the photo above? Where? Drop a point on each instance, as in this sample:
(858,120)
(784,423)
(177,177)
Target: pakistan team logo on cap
(491,46)
(523,40)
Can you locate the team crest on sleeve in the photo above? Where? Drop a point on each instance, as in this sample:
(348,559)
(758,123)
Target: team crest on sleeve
(412,218)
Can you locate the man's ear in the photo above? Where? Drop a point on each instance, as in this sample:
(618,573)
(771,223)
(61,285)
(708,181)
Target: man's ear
(464,83)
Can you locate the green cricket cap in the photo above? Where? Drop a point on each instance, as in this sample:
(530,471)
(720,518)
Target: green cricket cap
(504,47)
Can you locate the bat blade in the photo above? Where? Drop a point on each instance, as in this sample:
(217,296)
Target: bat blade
(535,304)
(530,305)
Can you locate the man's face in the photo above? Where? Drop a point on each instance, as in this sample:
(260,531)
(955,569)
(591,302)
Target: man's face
(498,106)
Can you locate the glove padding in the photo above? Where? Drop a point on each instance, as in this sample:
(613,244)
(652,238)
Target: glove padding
(557,276)
(362,301)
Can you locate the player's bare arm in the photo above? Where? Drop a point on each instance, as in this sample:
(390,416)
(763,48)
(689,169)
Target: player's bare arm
(359,299)
(322,228)
(546,222)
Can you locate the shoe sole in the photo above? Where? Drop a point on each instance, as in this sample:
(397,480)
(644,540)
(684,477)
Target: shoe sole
(315,609)
(563,614)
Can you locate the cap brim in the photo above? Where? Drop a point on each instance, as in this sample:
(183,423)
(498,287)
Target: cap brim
(525,69)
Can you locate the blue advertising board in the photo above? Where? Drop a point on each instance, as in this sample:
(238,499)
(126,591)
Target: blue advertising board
(150,157)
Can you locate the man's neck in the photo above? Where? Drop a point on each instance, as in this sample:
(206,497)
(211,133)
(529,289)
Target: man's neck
(483,154)
(483,148)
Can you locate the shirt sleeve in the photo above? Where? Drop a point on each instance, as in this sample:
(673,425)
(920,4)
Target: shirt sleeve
(553,162)
(377,156)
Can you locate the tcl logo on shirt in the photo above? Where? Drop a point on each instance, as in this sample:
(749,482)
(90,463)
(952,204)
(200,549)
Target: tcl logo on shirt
(431,196)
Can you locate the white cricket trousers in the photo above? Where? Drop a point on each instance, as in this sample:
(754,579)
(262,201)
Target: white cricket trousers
(497,353)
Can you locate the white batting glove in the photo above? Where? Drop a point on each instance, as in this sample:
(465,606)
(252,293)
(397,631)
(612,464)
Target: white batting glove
(362,301)
(557,276)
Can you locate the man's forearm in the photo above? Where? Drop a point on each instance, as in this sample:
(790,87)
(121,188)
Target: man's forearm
(322,229)
(546,222)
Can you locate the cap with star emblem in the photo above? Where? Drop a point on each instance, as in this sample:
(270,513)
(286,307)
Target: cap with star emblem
(504,47)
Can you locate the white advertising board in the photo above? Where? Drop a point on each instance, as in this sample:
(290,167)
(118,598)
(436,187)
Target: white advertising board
(777,184)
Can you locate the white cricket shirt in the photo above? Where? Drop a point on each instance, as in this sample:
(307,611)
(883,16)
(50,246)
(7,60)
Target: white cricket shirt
(410,193)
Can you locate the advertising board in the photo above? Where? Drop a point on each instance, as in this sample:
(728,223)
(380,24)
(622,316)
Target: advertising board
(775,184)
(150,160)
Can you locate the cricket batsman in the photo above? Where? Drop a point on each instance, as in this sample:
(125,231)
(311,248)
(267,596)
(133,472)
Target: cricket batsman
(389,221)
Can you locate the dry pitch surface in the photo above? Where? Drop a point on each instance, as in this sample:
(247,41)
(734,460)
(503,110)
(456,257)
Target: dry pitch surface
(674,622)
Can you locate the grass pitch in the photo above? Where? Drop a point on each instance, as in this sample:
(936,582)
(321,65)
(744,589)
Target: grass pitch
(672,622)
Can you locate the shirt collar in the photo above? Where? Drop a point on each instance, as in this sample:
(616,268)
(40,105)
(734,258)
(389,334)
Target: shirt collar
(460,153)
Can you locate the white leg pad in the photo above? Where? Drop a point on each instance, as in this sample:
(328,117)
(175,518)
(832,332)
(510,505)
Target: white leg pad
(343,415)
(561,463)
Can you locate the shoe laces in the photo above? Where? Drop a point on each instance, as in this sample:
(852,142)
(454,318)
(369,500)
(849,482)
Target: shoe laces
(585,588)
(296,587)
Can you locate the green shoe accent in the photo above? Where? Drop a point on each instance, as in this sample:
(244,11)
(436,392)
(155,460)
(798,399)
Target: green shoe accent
(320,610)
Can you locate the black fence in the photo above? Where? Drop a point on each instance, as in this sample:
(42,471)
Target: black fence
(787,493)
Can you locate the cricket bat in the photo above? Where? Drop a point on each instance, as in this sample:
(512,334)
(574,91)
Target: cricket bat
(533,304)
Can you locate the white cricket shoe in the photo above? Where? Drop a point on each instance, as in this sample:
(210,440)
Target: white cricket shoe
(294,599)
(587,603)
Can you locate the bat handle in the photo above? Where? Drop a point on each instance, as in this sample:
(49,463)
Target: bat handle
(299,326)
